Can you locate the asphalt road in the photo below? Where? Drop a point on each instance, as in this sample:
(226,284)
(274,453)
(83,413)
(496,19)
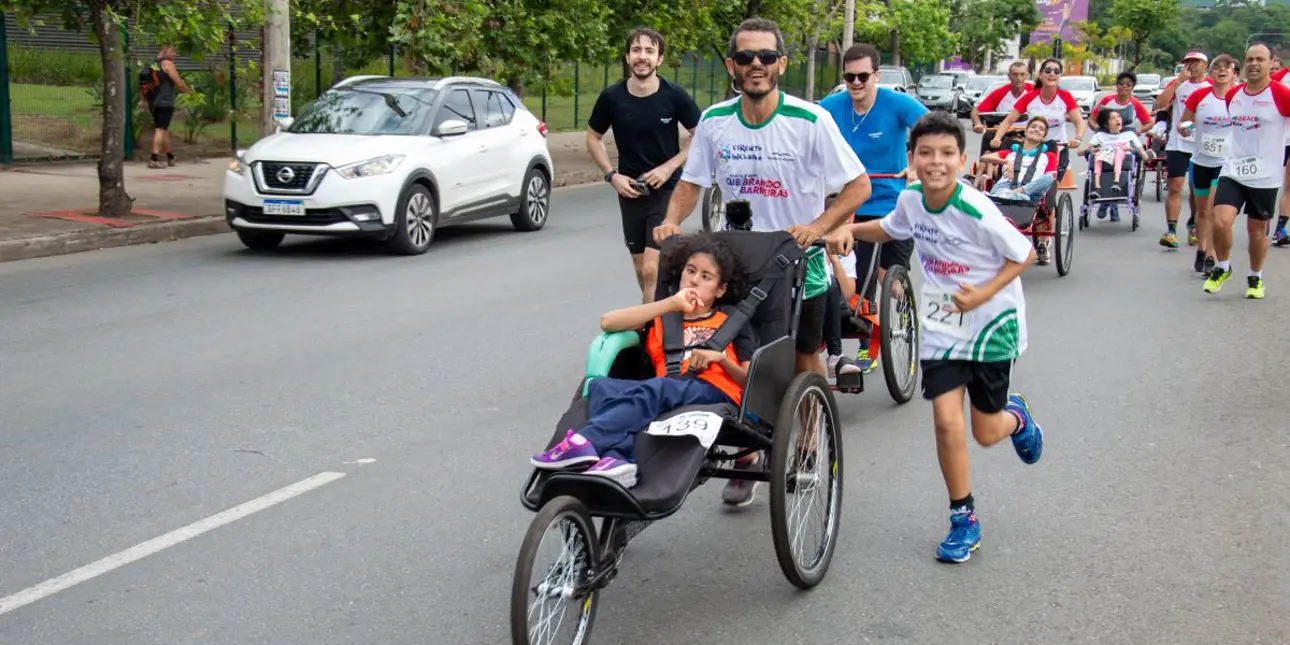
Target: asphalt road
(144,389)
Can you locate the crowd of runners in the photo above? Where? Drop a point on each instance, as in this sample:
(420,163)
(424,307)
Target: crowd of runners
(898,176)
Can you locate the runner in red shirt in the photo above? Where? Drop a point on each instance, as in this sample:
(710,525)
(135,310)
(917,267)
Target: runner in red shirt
(1258,111)
(1132,112)
(1281,238)
(1002,98)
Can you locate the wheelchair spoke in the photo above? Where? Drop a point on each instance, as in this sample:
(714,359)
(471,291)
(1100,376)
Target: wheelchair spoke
(807,482)
(558,590)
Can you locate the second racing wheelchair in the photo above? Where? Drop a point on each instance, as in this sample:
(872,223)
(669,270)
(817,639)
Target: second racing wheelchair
(793,417)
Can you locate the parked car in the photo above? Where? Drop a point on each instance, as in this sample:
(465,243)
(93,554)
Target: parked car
(897,75)
(1148,88)
(1083,88)
(976,88)
(394,159)
(936,91)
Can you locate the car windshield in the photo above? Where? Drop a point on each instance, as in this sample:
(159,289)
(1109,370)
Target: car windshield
(1077,84)
(936,81)
(982,82)
(1148,79)
(369,111)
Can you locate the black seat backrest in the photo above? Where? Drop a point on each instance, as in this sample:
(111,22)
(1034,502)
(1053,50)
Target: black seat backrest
(761,253)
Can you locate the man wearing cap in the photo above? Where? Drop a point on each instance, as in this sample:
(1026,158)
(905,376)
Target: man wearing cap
(1179,149)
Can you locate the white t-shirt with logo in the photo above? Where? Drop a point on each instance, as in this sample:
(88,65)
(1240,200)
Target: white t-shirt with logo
(784,167)
(967,241)
(1032,104)
(1256,152)
(1176,140)
(1213,127)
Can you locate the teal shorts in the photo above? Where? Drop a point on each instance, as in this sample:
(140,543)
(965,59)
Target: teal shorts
(1203,178)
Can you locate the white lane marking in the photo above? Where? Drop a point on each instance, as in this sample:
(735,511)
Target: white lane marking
(364,460)
(145,549)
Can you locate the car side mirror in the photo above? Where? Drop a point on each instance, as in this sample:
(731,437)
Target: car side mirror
(452,128)
(285,123)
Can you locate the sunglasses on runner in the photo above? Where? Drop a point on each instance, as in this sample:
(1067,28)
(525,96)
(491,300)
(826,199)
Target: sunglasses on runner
(767,57)
(1051,70)
(863,77)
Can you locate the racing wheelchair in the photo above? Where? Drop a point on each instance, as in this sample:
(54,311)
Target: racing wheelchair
(893,326)
(1129,193)
(792,416)
(1038,219)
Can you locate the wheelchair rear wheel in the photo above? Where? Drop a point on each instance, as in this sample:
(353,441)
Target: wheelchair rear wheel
(898,325)
(540,609)
(806,471)
(1064,234)
(714,209)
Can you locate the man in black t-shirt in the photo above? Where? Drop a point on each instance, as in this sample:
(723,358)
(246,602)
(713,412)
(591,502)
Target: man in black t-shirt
(643,111)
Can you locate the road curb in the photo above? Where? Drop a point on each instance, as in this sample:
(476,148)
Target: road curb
(93,239)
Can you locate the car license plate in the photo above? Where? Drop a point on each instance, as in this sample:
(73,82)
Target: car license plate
(284,207)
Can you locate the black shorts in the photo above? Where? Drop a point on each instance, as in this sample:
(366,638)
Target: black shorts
(1203,179)
(161,117)
(810,324)
(1259,203)
(1177,162)
(987,383)
(1285,161)
(641,216)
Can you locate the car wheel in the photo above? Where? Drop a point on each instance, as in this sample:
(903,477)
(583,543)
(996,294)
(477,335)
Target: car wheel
(260,240)
(536,202)
(416,221)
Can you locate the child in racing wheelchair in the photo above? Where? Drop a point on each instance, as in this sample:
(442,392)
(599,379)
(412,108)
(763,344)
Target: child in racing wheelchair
(710,276)
(1030,173)
(1112,143)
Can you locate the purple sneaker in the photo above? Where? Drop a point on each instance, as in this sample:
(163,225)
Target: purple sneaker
(616,469)
(574,450)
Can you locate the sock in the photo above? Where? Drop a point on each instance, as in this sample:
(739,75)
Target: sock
(1256,274)
(1225,265)
(964,505)
(154,157)
(1281,222)
(1021,421)
(170,156)
(1173,227)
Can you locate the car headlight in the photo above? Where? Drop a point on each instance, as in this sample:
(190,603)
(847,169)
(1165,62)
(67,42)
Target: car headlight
(371,167)
(238,163)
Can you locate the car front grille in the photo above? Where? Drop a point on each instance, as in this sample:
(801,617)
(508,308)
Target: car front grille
(319,217)
(286,177)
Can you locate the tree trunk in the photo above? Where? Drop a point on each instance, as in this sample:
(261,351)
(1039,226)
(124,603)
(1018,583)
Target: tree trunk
(113,200)
(337,63)
(812,44)
(517,85)
(895,48)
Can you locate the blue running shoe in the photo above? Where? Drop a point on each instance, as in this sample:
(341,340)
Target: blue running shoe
(1029,441)
(964,538)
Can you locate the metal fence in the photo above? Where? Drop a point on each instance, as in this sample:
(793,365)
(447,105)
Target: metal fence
(51,96)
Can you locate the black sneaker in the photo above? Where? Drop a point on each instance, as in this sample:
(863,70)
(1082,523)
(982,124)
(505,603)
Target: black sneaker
(1199,266)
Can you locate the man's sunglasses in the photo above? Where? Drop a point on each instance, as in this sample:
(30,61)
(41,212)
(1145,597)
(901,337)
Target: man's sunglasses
(767,57)
(863,77)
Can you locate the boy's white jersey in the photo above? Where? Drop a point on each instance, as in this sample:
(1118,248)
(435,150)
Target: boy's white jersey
(967,241)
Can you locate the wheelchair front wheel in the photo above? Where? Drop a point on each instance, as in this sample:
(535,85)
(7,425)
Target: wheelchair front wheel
(898,327)
(806,471)
(540,609)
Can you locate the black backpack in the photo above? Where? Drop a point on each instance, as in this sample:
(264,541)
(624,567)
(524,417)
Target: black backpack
(150,81)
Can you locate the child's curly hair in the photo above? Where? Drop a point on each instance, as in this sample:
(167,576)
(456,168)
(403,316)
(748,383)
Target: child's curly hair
(1104,119)
(733,272)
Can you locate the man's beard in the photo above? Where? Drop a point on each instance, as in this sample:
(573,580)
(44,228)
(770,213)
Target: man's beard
(772,79)
(643,75)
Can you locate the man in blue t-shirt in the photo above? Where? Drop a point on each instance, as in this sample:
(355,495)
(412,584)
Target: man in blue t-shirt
(876,123)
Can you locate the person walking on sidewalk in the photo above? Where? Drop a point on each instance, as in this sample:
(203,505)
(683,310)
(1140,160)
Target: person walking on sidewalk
(643,111)
(159,101)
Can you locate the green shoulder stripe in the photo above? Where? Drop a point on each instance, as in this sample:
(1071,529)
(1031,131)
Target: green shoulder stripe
(796,112)
(964,206)
(721,110)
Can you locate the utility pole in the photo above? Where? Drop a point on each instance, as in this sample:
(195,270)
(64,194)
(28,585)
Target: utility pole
(276,65)
(849,26)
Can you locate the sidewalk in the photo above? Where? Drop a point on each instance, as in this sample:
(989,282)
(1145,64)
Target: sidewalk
(49,209)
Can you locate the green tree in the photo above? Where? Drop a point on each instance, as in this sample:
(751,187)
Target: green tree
(1143,18)
(918,30)
(197,27)
(983,26)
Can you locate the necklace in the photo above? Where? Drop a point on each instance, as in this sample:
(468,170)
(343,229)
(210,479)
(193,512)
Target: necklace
(856,126)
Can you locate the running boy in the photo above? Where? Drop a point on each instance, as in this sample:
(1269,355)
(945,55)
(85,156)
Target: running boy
(709,275)
(973,313)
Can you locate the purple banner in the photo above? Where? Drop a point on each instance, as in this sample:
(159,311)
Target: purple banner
(1060,17)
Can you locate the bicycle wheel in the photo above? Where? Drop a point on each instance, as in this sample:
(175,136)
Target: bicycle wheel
(564,582)
(898,329)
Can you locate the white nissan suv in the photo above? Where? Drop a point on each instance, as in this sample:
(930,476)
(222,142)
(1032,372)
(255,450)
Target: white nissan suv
(394,159)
